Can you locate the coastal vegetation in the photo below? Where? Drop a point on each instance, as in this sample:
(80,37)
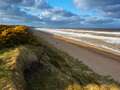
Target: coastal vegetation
(13,35)
(30,64)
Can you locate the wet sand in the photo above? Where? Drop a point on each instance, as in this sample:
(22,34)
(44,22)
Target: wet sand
(100,63)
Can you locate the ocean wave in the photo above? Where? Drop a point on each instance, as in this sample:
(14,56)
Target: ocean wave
(78,34)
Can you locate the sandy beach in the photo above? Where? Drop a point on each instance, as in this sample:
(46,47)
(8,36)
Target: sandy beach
(100,63)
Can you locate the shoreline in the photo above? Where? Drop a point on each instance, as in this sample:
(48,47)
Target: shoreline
(93,48)
(99,63)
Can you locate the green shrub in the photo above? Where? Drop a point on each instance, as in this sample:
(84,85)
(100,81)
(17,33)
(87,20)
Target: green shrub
(13,35)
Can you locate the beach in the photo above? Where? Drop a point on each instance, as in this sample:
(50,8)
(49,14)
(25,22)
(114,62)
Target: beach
(100,60)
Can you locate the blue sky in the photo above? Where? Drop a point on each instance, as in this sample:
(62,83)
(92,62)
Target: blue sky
(61,13)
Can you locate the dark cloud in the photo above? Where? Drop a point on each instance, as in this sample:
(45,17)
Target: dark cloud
(109,8)
(41,4)
(97,20)
(10,1)
(13,12)
(112,10)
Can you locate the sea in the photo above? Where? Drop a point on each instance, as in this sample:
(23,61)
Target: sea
(101,38)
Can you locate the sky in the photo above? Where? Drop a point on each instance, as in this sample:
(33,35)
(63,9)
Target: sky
(61,13)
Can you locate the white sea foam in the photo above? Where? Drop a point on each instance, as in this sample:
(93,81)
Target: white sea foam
(78,34)
(112,38)
(111,49)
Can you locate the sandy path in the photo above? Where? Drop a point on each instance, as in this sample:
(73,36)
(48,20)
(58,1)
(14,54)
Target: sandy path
(99,63)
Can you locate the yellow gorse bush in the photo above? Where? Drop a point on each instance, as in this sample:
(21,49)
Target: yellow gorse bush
(13,35)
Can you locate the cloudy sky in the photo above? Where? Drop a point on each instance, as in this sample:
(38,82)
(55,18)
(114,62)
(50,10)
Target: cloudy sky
(61,13)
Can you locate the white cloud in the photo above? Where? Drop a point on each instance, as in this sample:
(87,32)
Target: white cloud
(80,4)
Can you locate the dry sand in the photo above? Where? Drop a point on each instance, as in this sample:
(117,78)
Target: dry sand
(101,64)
